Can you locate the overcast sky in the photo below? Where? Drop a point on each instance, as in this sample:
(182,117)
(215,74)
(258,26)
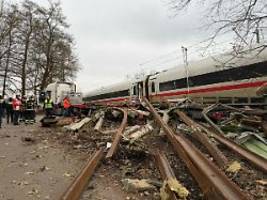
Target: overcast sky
(114,37)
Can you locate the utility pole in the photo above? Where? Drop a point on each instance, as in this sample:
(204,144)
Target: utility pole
(185,56)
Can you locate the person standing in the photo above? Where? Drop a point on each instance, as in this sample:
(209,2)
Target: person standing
(48,106)
(66,106)
(23,112)
(30,112)
(9,110)
(2,105)
(16,109)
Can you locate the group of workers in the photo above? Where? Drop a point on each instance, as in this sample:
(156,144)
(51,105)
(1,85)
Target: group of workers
(49,106)
(22,109)
(18,109)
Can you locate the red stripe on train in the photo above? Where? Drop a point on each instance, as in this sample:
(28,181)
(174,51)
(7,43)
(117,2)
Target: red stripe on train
(215,89)
(193,91)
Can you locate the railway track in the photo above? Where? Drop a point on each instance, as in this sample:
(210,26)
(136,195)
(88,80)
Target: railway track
(76,188)
(214,184)
(209,175)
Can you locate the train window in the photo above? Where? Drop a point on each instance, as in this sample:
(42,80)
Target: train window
(153,89)
(180,83)
(225,100)
(209,100)
(257,100)
(241,100)
(165,86)
(122,93)
(197,99)
(134,90)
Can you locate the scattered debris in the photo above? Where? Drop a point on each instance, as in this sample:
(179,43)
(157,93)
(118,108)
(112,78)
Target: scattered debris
(130,129)
(140,133)
(262,182)
(28,139)
(78,125)
(67,174)
(44,168)
(136,185)
(171,185)
(234,167)
(64,121)
(99,123)
(165,118)
(29,173)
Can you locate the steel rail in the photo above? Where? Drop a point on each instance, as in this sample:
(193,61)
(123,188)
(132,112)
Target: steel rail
(165,171)
(76,188)
(256,160)
(213,182)
(118,135)
(203,138)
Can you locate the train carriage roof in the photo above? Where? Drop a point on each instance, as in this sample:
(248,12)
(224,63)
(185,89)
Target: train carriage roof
(125,85)
(216,63)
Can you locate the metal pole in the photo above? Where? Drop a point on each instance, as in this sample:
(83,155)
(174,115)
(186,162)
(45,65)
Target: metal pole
(185,56)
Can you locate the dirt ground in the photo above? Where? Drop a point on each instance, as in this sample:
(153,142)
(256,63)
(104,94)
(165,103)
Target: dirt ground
(39,163)
(38,169)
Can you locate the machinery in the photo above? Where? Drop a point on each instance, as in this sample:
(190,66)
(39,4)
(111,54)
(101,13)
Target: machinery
(228,78)
(58,91)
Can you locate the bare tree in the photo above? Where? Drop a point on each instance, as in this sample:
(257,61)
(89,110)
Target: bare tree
(35,48)
(53,24)
(243,18)
(12,22)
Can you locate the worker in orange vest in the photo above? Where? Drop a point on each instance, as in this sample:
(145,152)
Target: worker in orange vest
(66,106)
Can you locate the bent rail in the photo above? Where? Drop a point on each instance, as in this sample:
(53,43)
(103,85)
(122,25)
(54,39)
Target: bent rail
(203,138)
(118,135)
(211,180)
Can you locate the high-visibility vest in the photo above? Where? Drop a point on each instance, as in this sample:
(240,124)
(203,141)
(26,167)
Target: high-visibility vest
(48,103)
(16,104)
(66,103)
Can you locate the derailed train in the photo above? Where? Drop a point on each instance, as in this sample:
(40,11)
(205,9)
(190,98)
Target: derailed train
(226,78)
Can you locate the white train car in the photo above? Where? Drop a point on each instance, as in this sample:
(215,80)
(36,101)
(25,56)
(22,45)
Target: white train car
(113,94)
(227,78)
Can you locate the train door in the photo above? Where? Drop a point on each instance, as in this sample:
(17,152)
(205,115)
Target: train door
(151,86)
(140,89)
(133,91)
(146,88)
(134,94)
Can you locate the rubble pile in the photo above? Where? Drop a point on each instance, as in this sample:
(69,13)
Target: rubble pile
(133,165)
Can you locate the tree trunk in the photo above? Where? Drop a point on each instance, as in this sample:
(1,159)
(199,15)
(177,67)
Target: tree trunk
(48,63)
(7,63)
(23,69)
